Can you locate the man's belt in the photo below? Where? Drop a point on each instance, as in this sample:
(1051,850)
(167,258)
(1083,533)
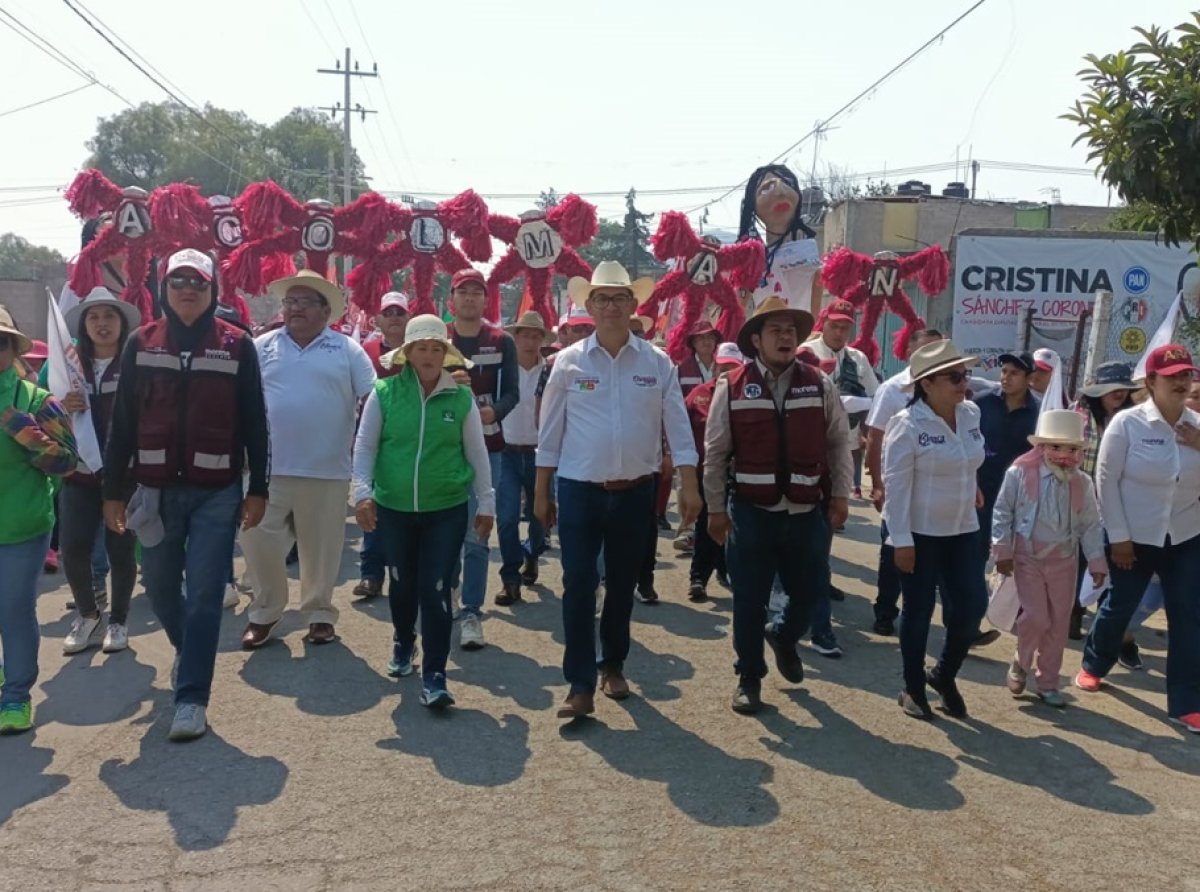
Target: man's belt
(622,485)
(520,447)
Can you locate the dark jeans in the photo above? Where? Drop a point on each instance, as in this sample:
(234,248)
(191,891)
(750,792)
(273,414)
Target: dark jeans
(100,566)
(887,593)
(199,525)
(517,475)
(422,549)
(707,555)
(592,519)
(985,526)
(82,517)
(763,544)
(645,577)
(370,557)
(1178,567)
(952,563)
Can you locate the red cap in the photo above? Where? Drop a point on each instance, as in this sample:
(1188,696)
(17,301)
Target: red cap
(39,350)
(1042,366)
(1170,359)
(840,311)
(466,276)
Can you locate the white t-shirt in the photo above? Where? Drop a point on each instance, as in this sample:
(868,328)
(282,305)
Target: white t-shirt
(890,398)
(793,271)
(312,397)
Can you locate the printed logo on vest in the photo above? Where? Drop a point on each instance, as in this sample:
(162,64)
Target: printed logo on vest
(645,380)
(586,383)
(1153,441)
(217,354)
(931,439)
(807,388)
(448,416)
(753,391)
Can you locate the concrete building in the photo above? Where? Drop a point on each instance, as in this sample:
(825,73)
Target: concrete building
(27,300)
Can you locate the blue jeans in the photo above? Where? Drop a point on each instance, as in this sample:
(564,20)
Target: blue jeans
(590,520)
(763,544)
(422,548)
(887,594)
(517,474)
(100,560)
(20,568)
(475,551)
(1178,567)
(955,564)
(370,558)
(199,525)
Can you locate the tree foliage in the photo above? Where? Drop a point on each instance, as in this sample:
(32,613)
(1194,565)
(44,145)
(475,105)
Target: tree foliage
(19,259)
(221,151)
(1141,119)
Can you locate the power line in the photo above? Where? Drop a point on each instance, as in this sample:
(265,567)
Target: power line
(13,111)
(320,34)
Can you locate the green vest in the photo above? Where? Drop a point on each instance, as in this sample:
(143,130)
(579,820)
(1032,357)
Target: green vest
(26,494)
(421,464)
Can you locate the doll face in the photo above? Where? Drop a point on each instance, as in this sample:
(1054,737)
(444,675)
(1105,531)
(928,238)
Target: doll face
(1062,455)
(775,203)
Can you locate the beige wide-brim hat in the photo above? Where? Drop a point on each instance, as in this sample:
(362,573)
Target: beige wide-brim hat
(772,306)
(1063,427)
(530,319)
(101,297)
(427,327)
(609,274)
(308,278)
(936,357)
(9,327)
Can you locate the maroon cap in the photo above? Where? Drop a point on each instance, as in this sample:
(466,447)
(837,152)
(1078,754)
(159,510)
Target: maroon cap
(1170,359)
(700,329)
(467,276)
(840,311)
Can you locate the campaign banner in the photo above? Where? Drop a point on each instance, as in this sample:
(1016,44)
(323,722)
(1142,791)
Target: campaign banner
(65,375)
(997,278)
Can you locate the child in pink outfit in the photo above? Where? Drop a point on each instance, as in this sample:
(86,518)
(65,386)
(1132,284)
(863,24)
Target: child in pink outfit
(1045,513)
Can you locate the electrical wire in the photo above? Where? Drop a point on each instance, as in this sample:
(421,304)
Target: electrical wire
(80,88)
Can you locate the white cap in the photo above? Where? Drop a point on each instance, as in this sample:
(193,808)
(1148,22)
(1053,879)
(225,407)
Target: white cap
(729,352)
(394,299)
(190,258)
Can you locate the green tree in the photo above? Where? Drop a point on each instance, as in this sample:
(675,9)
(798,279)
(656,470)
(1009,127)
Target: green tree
(608,244)
(158,143)
(19,259)
(1141,119)
(635,251)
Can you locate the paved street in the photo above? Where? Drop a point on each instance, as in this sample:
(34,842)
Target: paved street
(322,773)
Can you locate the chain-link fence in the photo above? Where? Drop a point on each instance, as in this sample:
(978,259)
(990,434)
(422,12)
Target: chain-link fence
(1068,339)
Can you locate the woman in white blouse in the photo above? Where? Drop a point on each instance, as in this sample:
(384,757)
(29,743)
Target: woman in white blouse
(1148,484)
(931,452)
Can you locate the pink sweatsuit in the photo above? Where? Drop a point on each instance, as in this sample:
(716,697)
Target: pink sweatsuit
(1043,541)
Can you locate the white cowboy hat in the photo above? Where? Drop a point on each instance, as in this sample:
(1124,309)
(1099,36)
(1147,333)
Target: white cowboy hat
(936,357)
(101,297)
(308,278)
(609,274)
(1062,426)
(427,327)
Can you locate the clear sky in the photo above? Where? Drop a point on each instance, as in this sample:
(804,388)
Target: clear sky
(587,97)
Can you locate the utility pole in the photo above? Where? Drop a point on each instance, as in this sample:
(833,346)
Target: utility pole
(346,110)
(974,177)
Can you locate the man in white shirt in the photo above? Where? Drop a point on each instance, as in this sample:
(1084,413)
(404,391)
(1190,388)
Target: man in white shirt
(606,405)
(517,469)
(853,373)
(313,378)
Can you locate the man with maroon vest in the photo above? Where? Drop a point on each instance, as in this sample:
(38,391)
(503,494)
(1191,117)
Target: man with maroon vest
(700,366)
(497,388)
(189,415)
(779,426)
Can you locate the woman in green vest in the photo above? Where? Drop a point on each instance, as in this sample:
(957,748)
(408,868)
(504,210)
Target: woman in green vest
(36,443)
(419,447)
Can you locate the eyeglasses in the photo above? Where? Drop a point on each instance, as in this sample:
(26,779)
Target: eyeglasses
(953,377)
(604,301)
(195,283)
(304,303)
(393,312)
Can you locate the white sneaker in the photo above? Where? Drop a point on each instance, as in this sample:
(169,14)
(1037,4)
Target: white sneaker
(116,638)
(80,635)
(190,722)
(232,595)
(471,635)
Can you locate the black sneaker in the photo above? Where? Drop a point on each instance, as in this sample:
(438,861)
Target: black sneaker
(647,594)
(511,595)
(434,693)
(827,646)
(836,594)
(529,570)
(917,707)
(747,696)
(1129,656)
(952,701)
(697,593)
(985,638)
(787,661)
(401,665)
(663,523)
(885,627)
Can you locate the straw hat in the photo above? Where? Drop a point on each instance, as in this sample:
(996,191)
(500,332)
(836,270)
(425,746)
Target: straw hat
(427,327)
(1059,426)
(101,297)
(609,274)
(9,327)
(529,319)
(308,278)
(936,357)
(772,306)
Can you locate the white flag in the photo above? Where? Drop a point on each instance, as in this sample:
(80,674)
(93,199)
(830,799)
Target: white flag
(66,375)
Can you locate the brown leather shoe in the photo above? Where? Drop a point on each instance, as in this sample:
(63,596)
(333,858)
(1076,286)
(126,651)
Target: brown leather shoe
(368,588)
(577,706)
(257,634)
(321,633)
(613,684)
(511,595)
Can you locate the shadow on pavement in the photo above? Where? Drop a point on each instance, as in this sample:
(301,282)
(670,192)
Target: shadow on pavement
(703,781)
(327,680)
(200,785)
(504,673)
(466,746)
(92,688)
(700,621)
(24,777)
(907,775)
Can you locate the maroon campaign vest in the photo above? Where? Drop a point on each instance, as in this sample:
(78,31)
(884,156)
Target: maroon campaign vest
(374,348)
(101,396)
(689,375)
(778,454)
(187,408)
(698,403)
(485,378)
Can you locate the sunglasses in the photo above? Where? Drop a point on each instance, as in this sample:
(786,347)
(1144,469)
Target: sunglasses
(953,377)
(303,303)
(195,283)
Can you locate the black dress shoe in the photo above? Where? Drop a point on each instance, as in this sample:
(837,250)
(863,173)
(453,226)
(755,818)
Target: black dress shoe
(836,594)
(747,696)
(697,592)
(663,523)
(787,661)
(511,595)
(985,638)
(952,701)
(646,594)
(529,570)
(884,627)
